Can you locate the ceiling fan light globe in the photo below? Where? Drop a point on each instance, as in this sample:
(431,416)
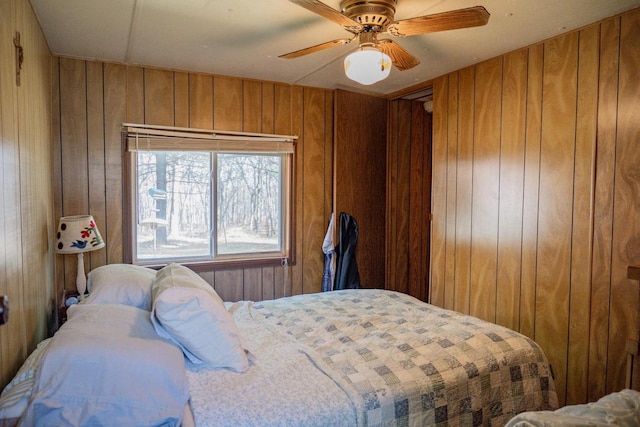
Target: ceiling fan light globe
(367,66)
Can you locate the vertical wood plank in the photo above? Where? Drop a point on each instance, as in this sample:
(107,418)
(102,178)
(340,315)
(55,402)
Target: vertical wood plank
(27,178)
(392,191)
(159,107)
(512,149)
(42,95)
(439,195)
(603,207)
(134,91)
(626,231)
(283,110)
(227,103)
(228,284)
(27,207)
(531,190)
(13,335)
(556,196)
(181,97)
(268,283)
(34,117)
(135,95)
(464,191)
(486,180)
(582,242)
(403,199)
(415,196)
(57,169)
(252,279)
(73,131)
(452,171)
(73,123)
(251,106)
(283,124)
(28,171)
(281,282)
(426,205)
(293,274)
(116,103)
(267,118)
(201,101)
(96,158)
(313,191)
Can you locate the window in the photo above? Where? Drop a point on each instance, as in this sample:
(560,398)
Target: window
(205,197)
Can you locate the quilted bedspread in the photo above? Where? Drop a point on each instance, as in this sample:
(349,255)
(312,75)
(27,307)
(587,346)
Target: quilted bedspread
(382,358)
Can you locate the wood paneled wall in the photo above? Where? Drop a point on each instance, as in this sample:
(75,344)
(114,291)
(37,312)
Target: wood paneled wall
(536,184)
(408,204)
(95,98)
(359,163)
(26,213)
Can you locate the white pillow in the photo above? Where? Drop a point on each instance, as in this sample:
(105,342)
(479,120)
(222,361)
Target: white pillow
(188,310)
(106,366)
(121,284)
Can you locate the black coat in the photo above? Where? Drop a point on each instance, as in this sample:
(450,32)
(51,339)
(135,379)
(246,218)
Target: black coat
(347,275)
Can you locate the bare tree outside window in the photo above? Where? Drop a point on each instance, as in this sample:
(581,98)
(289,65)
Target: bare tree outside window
(248,203)
(175,204)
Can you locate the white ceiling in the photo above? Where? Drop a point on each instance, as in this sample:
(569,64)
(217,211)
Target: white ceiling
(243,38)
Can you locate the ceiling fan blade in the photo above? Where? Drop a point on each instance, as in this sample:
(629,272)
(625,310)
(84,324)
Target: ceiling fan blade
(329,13)
(316,48)
(452,20)
(400,58)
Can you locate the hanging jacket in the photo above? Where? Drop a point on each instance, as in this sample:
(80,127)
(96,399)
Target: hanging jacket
(329,249)
(347,275)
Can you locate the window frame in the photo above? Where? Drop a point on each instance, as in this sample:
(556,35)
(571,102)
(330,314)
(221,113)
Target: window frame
(137,137)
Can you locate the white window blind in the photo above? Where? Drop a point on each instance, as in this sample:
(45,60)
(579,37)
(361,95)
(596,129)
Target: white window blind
(168,138)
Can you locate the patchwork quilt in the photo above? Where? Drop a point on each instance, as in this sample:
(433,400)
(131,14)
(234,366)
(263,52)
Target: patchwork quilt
(374,357)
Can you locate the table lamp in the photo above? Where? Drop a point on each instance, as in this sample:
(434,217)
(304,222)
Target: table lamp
(76,235)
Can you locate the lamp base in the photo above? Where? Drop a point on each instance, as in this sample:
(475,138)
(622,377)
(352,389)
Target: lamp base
(81,280)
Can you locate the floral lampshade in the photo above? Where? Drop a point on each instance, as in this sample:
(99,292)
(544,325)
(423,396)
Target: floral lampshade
(77,234)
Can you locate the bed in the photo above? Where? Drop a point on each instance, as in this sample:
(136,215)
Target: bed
(163,349)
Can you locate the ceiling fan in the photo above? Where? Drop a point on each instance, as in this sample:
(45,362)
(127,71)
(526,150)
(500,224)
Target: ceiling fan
(367,19)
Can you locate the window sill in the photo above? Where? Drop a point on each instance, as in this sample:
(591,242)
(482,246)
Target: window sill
(227,264)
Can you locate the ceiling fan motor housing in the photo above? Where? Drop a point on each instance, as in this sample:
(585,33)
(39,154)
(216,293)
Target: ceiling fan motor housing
(373,14)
